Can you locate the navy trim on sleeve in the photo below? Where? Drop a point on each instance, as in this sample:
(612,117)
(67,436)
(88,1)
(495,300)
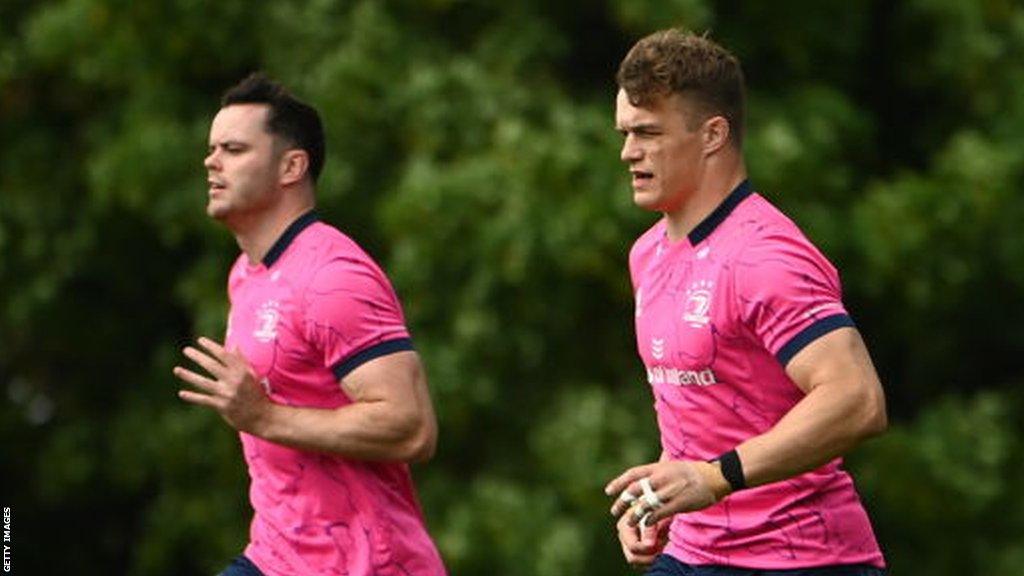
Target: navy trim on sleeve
(286,238)
(812,333)
(341,369)
(708,225)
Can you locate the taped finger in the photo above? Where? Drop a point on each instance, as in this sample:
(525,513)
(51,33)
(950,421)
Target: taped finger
(645,484)
(649,495)
(645,522)
(640,509)
(652,500)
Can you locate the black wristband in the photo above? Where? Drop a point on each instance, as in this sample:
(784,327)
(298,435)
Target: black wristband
(732,470)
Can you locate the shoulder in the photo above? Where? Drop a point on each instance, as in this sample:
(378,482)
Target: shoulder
(647,243)
(237,266)
(776,266)
(237,272)
(771,237)
(784,289)
(324,252)
(331,241)
(335,268)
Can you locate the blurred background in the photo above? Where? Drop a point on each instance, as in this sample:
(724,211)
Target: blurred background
(471,150)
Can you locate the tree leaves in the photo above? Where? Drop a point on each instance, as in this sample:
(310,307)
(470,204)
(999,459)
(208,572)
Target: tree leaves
(471,150)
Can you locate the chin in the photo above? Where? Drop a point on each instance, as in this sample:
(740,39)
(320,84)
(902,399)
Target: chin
(217,212)
(646,201)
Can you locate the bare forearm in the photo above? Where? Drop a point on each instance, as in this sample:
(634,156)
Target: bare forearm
(363,431)
(827,423)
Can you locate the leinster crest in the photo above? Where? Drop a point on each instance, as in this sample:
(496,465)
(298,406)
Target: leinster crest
(267,317)
(698,304)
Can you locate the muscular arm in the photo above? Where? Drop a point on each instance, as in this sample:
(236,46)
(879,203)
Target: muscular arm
(844,404)
(391,416)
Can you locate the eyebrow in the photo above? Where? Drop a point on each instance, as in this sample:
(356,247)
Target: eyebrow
(642,127)
(226,143)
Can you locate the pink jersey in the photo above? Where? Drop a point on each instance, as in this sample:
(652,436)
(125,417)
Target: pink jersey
(315,309)
(718,316)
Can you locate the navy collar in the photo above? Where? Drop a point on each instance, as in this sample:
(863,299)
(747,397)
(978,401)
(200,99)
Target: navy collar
(286,238)
(708,225)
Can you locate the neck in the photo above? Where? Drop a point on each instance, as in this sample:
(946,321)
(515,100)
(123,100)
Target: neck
(258,235)
(716,183)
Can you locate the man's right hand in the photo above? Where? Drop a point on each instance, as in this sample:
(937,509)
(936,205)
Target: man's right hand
(640,550)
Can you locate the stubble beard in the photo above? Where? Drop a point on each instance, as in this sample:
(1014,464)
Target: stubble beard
(241,208)
(216,209)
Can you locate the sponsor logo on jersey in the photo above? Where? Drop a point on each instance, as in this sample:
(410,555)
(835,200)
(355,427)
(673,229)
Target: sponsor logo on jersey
(680,377)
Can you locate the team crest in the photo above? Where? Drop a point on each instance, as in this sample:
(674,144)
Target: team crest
(266,321)
(698,304)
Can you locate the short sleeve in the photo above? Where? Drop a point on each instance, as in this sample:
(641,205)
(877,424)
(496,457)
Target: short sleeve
(788,294)
(352,315)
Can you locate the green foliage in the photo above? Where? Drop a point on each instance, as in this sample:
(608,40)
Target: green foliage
(471,149)
(954,471)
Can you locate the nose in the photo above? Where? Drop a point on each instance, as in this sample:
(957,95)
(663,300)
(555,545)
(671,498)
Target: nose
(211,161)
(630,151)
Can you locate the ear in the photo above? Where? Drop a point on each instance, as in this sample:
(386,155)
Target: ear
(714,134)
(293,167)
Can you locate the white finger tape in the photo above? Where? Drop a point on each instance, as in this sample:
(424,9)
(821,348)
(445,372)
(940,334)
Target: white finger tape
(627,497)
(645,485)
(645,522)
(650,496)
(639,511)
(652,500)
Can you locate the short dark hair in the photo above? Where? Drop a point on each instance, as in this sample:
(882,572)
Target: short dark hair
(289,118)
(699,70)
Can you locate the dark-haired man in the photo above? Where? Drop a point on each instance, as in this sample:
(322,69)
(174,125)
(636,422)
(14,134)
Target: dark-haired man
(317,371)
(761,381)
